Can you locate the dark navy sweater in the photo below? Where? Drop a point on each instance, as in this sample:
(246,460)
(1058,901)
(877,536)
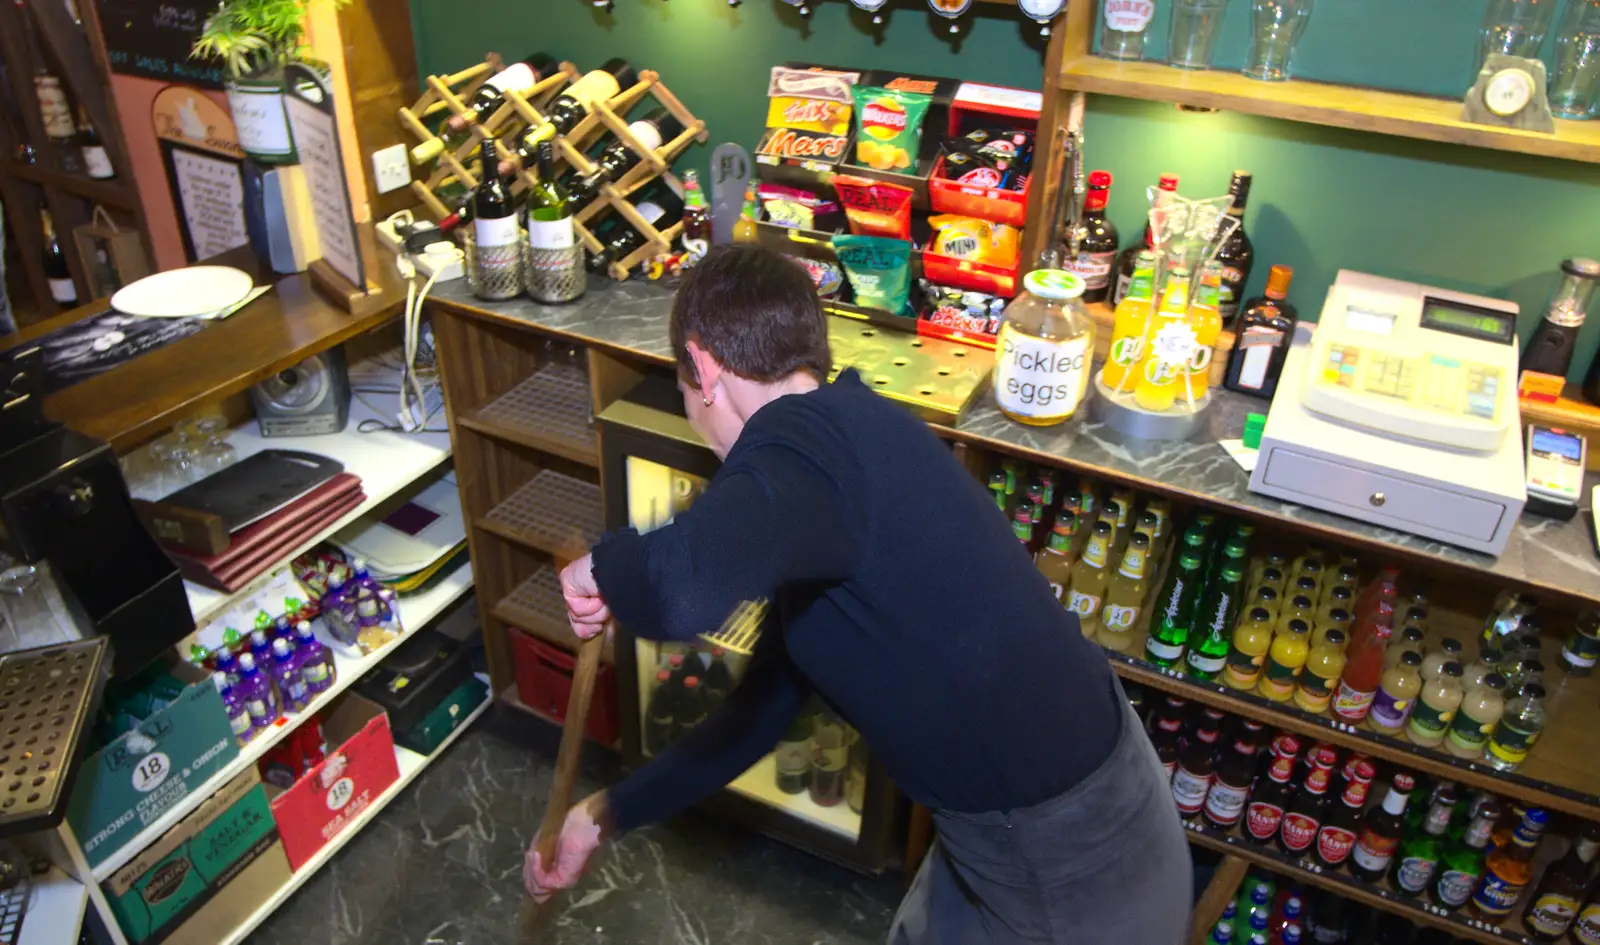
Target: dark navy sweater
(901,597)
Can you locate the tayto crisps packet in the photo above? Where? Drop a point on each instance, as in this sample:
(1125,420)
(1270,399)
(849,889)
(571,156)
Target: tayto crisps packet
(889,128)
(879,270)
(808,116)
(875,208)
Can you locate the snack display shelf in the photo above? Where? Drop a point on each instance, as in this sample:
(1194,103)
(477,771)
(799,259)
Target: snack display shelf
(415,611)
(411,765)
(55,910)
(387,462)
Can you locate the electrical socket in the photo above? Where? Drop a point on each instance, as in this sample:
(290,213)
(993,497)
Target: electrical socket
(391,168)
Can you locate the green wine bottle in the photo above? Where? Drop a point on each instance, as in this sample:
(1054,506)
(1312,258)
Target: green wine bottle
(1175,608)
(555,260)
(1219,607)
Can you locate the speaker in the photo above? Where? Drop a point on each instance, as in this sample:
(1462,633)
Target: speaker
(309,399)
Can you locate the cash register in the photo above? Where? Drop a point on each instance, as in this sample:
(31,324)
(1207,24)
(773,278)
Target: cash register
(1401,410)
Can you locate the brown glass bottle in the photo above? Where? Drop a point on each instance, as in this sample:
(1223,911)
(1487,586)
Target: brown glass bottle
(1097,246)
(1337,835)
(1303,818)
(1129,260)
(1196,766)
(1264,814)
(1165,737)
(1380,835)
(1230,785)
(1238,254)
(1264,332)
(1555,902)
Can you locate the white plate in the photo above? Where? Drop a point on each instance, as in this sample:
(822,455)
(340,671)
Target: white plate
(183,293)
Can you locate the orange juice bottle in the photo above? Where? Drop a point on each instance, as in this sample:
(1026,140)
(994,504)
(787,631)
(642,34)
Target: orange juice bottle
(1205,318)
(1130,333)
(1157,382)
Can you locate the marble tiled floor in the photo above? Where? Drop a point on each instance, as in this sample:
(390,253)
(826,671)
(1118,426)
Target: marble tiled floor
(442,865)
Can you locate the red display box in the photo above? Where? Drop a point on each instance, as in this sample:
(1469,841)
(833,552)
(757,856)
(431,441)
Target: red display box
(324,802)
(966,274)
(977,105)
(544,684)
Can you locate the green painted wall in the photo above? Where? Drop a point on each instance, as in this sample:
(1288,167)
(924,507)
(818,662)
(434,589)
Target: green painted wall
(1468,219)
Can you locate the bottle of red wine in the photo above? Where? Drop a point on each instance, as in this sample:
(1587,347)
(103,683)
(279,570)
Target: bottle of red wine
(661,205)
(518,77)
(55,265)
(653,130)
(96,162)
(1238,254)
(497,238)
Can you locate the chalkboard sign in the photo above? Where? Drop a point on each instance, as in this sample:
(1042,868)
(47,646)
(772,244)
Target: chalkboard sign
(204,168)
(152,38)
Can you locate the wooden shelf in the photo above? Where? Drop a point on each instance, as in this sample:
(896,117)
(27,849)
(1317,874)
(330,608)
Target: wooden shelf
(548,412)
(536,607)
(553,513)
(112,193)
(1377,895)
(1336,106)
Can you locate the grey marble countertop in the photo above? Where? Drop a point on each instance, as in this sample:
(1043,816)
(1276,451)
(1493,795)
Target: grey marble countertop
(1550,556)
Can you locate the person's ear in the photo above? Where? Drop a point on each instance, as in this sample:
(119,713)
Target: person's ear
(706,369)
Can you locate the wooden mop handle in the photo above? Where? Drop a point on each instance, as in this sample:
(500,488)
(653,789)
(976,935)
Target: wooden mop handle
(571,753)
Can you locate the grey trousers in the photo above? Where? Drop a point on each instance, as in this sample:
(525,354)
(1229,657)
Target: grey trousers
(1106,863)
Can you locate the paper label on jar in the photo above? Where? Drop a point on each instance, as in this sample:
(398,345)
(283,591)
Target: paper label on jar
(1129,16)
(1037,378)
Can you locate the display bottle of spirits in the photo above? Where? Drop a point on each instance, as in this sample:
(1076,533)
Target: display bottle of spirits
(1055,560)
(1196,766)
(1213,622)
(1550,349)
(1263,333)
(1582,648)
(573,105)
(1555,902)
(1509,869)
(1128,261)
(1175,610)
(1462,865)
(1380,835)
(1097,244)
(1338,833)
(1303,817)
(497,237)
(555,259)
(1089,579)
(1518,729)
(1423,849)
(1230,783)
(1237,254)
(518,77)
(1125,595)
(96,163)
(661,206)
(56,273)
(652,131)
(53,107)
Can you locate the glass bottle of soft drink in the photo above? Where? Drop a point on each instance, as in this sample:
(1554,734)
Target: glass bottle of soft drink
(1157,379)
(1130,330)
(1363,670)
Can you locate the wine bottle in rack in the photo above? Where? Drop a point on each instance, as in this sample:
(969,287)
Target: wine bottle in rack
(496,259)
(519,77)
(555,260)
(660,204)
(55,265)
(653,131)
(573,105)
(96,162)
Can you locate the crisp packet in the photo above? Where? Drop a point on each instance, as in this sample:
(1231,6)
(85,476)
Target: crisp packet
(889,128)
(875,208)
(879,270)
(792,207)
(975,240)
(826,276)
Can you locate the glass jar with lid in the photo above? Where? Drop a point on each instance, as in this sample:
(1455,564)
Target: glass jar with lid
(1045,350)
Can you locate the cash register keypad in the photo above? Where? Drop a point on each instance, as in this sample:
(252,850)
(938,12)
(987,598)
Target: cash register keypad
(1432,382)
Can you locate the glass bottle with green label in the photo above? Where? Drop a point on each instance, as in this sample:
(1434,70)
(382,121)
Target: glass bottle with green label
(1422,851)
(1125,595)
(1518,729)
(1582,649)
(1219,607)
(1175,608)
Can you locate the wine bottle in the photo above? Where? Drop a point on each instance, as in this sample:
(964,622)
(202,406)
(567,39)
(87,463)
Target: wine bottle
(661,205)
(497,258)
(573,105)
(653,130)
(95,159)
(555,260)
(519,77)
(55,265)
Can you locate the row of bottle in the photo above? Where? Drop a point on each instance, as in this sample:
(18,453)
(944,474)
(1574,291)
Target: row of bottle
(1268,909)
(1312,805)
(688,686)
(358,609)
(281,671)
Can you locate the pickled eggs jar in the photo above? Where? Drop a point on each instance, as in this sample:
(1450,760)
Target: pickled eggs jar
(1045,351)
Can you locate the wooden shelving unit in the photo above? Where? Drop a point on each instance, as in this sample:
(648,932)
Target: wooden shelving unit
(554,513)
(547,411)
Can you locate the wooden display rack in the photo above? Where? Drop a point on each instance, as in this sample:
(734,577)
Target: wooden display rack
(449,93)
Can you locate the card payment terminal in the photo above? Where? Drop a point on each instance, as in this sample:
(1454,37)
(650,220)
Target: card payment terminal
(1401,410)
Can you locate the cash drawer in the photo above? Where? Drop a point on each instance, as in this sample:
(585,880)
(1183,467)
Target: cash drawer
(1373,496)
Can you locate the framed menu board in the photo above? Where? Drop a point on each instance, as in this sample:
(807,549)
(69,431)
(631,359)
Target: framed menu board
(152,39)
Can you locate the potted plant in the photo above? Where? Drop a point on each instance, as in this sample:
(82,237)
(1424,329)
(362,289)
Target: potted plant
(255,39)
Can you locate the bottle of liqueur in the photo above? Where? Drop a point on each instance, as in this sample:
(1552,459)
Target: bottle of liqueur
(518,77)
(555,270)
(1237,254)
(660,204)
(1264,332)
(653,130)
(1097,247)
(1129,260)
(573,105)
(496,259)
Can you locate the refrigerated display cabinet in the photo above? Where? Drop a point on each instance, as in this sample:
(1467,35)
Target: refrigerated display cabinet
(821,788)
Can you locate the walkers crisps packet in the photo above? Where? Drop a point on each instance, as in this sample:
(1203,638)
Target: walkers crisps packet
(889,127)
(879,270)
(808,117)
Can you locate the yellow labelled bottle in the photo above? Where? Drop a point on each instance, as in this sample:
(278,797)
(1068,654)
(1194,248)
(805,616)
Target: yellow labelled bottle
(1476,718)
(1331,620)
(1305,586)
(1206,321)
(1054,561)
(1406,641)
(1437,704)
(1324,666)
(1299,607)
(1248,652)
(1130,331)
(1270,577)
(1267,599)
(1157,376)
(1416,615)
(1162,510)
(1291,646)
(1125,595)
(745,229)
(1089,579)
(1397,695)
(1448,651)
(1045,350)
(1337,597)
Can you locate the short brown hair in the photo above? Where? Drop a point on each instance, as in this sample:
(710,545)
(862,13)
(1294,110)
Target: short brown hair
(755,311)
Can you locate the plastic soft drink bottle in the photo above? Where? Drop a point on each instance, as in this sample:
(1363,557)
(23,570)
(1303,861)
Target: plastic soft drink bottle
(260,646)
(255,689)
(315,660)
(228,664)
(238,715)
(286,673)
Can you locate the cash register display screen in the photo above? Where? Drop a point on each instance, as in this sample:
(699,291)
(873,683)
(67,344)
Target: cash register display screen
(1553,445)
(1373,323)
(1468,321)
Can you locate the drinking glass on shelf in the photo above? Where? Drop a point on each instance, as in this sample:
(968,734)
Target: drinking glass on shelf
(1275,28)
(1576,76)
(1124,24)
(1514,28)
(1193,38)
(213,456)
(29,620)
